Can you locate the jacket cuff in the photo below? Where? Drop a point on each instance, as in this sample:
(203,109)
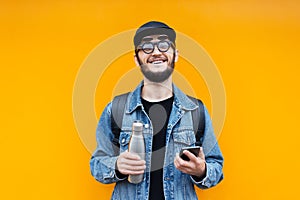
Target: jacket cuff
(203,181)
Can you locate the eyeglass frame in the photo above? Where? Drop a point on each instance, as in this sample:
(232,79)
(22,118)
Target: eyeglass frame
(170,43)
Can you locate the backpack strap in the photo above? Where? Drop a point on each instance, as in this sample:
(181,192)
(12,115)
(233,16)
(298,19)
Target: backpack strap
(118,109)
(198,120)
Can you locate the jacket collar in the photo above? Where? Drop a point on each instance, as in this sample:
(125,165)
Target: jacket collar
(180,99)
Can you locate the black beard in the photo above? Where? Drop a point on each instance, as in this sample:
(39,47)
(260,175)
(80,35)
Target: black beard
(158,77)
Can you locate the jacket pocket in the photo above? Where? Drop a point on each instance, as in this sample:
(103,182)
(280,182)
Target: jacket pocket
(183,138)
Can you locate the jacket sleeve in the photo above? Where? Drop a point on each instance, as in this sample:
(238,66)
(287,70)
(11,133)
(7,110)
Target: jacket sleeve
(213,157)
(102,163)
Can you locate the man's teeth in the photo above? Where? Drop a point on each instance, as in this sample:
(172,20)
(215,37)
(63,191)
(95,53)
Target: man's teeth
(157,62)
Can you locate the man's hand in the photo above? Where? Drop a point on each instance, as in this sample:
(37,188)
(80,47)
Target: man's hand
(196,166)
(130,164)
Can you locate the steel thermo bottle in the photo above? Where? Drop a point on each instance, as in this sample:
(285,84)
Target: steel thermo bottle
(137,145)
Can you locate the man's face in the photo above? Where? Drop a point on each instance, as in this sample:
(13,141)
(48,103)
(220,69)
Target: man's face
(156,64)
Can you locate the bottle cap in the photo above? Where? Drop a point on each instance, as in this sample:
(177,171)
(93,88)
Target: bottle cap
(137,126)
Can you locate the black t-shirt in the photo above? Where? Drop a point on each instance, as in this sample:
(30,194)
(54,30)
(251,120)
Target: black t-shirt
(159,113)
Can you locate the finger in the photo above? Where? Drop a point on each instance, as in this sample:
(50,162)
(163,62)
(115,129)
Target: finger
(176,163)
(177,160)
(132,156)
(134,167)
(125,168)
(181,163)
(135,162)
(135,172)
(201,153)
(131,172)
(124,160)
(177,157)
(191,156)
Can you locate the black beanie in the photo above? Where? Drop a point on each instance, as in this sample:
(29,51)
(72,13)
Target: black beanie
(153,28)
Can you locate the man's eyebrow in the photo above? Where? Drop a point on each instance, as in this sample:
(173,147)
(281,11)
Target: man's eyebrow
(147,39)
(162,37)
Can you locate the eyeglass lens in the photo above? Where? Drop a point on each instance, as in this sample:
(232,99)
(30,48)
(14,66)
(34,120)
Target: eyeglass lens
(162,46)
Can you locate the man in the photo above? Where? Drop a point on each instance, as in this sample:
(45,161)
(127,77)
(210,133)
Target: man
(168,127)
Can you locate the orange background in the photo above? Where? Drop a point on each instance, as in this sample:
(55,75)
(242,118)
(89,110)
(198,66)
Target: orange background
(255,45)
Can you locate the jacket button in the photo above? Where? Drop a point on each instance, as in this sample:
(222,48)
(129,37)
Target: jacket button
(123,141)
(146,125)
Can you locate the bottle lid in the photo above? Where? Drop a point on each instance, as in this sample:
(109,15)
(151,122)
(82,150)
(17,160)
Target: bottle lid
(137,125)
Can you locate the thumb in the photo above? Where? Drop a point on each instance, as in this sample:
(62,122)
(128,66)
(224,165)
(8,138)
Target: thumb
(201,154)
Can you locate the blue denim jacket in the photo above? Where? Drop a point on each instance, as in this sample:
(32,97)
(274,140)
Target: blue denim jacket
(177,185)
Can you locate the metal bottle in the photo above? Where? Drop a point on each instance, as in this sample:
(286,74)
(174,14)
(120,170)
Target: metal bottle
(137,145)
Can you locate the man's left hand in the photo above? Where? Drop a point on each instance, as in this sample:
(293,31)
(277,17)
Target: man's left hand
(196,166)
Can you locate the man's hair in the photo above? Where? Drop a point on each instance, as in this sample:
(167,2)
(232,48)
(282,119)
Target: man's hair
(153,28)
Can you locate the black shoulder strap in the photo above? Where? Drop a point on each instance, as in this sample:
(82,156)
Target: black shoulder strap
(198,120)
(117,112)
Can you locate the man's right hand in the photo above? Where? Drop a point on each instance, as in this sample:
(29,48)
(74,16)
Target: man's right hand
(130,164)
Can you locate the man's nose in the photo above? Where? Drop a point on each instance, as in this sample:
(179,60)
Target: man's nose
(156,50)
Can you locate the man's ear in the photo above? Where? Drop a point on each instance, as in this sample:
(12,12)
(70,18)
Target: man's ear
(176,55)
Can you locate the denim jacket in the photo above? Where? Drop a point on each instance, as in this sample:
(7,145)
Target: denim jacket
(177,185)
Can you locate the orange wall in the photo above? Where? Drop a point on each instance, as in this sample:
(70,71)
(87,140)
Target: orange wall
(254,44)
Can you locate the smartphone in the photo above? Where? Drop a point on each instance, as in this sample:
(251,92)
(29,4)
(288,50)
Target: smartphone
(194,150)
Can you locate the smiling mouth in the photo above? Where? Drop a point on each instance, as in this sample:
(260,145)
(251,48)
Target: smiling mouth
(157,61)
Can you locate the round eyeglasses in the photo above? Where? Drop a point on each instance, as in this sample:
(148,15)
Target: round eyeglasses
(148,47)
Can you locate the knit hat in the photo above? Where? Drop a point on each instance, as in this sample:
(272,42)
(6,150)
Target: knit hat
(153,28)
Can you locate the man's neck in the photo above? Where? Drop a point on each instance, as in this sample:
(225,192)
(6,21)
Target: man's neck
(155,92)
